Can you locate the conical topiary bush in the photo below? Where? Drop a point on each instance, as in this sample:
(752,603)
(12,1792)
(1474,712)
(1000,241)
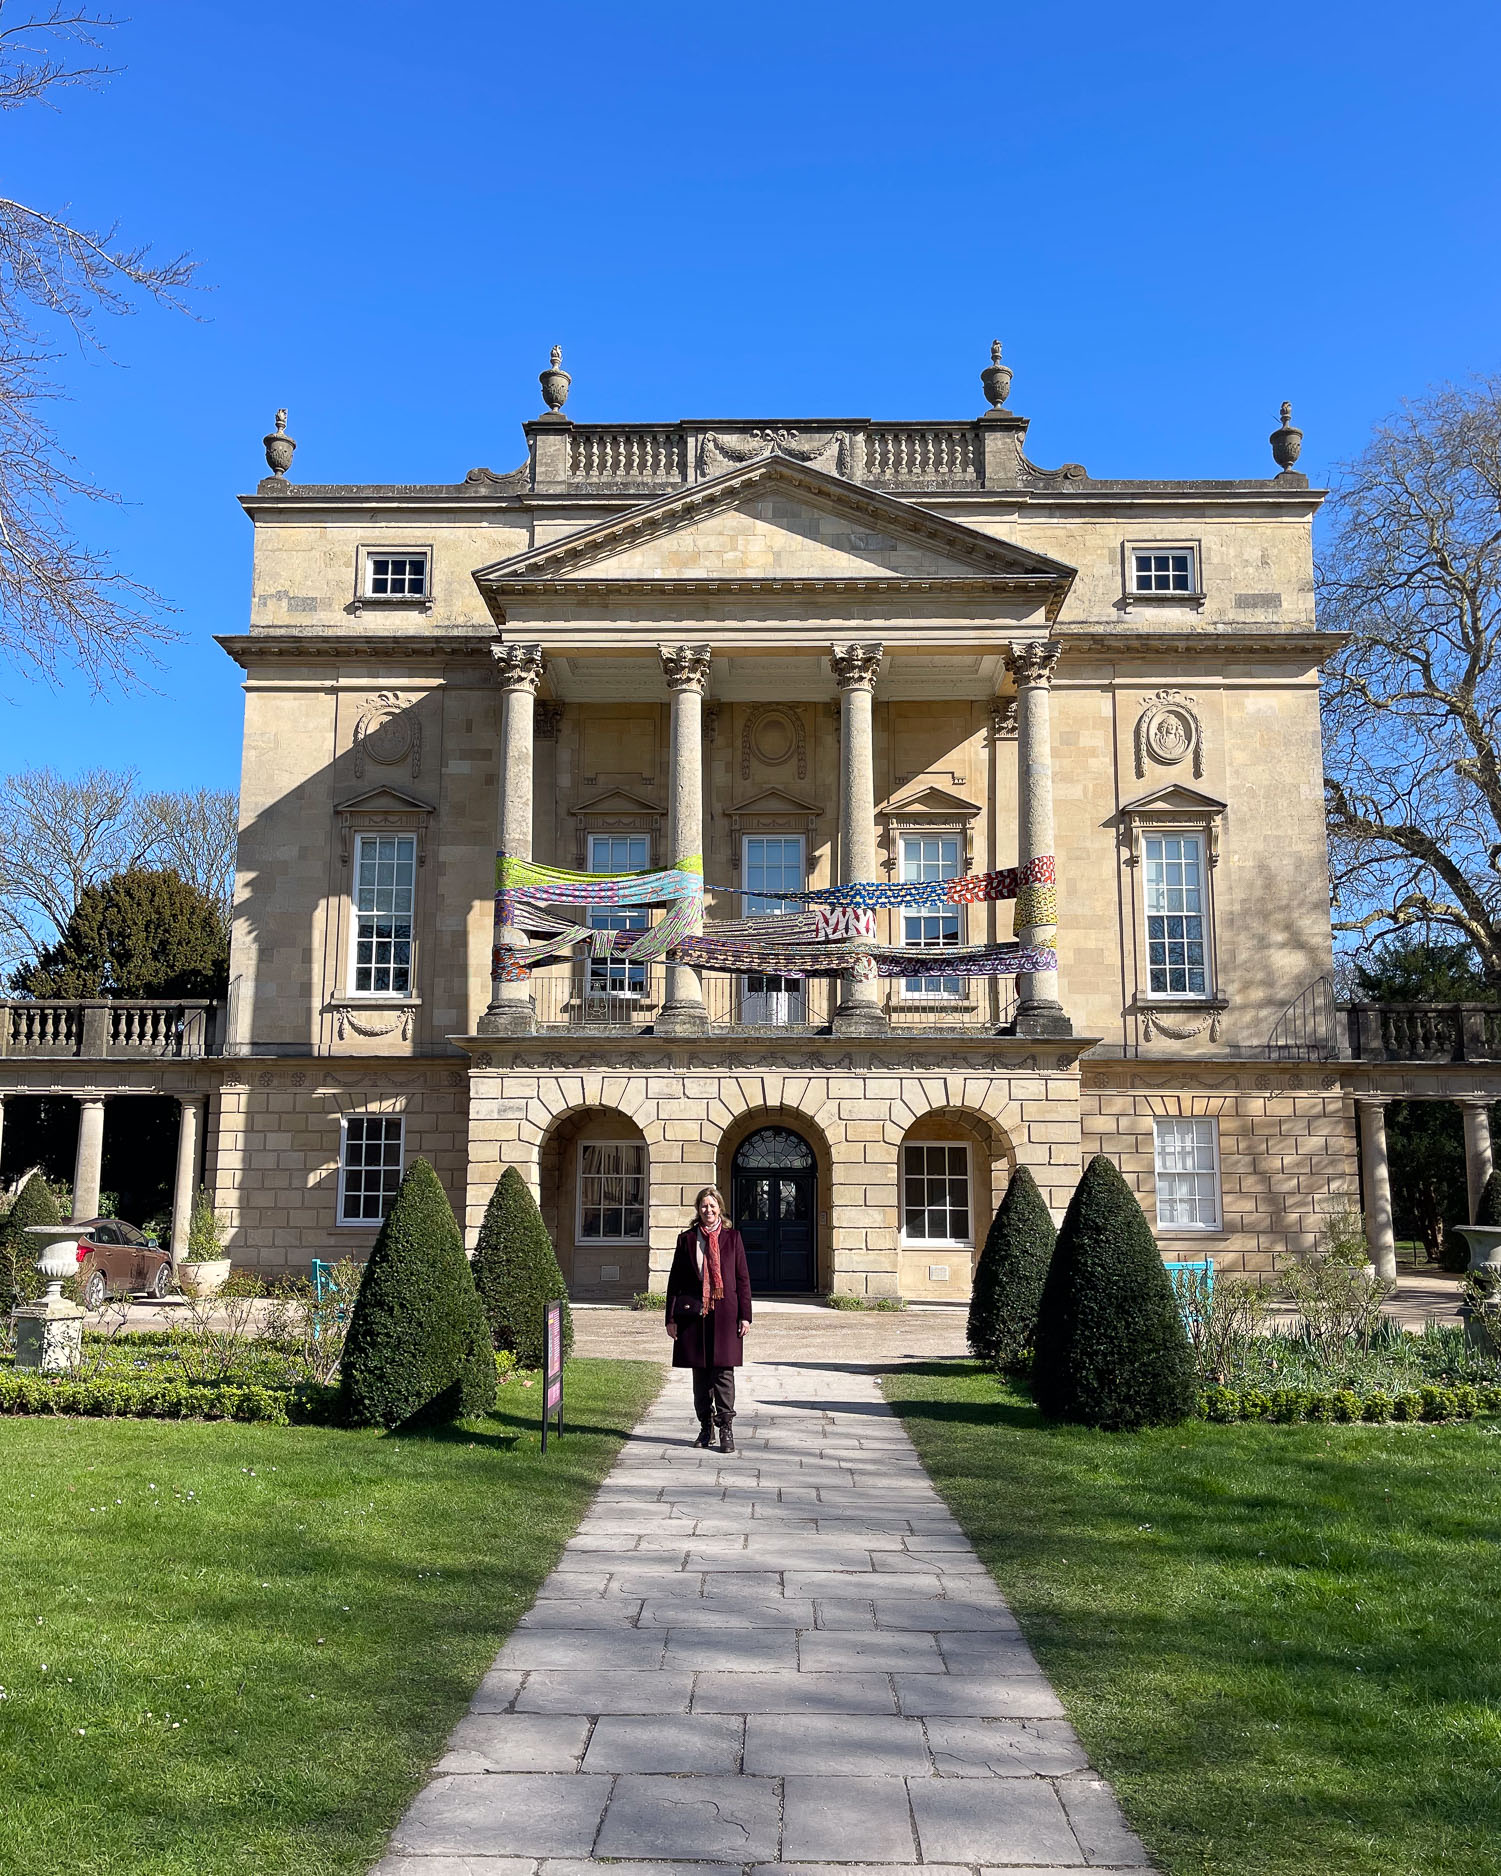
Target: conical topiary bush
(418,1347)
(1111,1349)
(1488,1211)
(20,1280)
(1010,1274)
(517,1273)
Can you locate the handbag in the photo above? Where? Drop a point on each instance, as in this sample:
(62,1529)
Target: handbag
(687,1308)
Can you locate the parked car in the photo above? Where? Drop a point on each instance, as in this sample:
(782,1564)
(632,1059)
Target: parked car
(114,1259)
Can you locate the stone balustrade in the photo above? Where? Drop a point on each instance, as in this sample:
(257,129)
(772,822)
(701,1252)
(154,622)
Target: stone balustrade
(1423,1032)
(95,1028)
(658,458)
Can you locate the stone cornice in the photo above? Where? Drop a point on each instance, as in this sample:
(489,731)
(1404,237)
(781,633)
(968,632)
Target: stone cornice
(894,1052)
(1316,646)
(247,648)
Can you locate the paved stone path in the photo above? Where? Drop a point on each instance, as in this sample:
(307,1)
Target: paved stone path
(788,1657)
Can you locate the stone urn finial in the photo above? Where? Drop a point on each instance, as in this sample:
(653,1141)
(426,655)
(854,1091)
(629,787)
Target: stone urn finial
(555,382)
(279,446)
(1287,443)
(996,377)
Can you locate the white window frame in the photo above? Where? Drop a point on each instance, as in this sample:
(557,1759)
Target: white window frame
(367,1224)
(1192,596)
(1161,1130)
(409,995)
(604,976)
(960,1244)
(910,992)
(1203,915)
(773,834)
(640,1237)
(365,558)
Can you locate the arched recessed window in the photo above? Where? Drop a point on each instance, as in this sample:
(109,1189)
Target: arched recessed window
(773,1148)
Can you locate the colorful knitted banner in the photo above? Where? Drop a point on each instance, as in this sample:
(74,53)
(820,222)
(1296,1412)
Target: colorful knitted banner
(832,922)
(559,886)
(963,889)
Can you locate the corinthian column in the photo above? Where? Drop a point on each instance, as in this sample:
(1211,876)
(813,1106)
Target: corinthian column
(1031,662)
(855,669)
(519,670)
(686,668)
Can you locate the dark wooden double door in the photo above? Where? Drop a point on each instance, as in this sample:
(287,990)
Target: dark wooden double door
(774,1203)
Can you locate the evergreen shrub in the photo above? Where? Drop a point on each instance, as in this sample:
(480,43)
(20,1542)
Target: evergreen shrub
(1111,1348)
(418,1348)
(517,1273)
(20,1280)
(1010,1275)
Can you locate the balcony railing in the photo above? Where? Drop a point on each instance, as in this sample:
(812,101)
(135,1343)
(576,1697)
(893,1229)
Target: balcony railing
(90,1028)
(619,999)
(1423,1032)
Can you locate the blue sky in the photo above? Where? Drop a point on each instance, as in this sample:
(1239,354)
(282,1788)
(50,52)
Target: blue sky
(1174,216)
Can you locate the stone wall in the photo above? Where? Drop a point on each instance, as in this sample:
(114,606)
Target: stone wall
(1287,1153)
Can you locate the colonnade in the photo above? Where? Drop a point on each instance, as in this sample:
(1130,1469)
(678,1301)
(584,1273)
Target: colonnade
(520,669)
(88,1160)
(1375,1171)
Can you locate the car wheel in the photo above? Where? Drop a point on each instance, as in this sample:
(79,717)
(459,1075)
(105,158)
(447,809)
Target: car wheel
(95,1291)
(161,1283)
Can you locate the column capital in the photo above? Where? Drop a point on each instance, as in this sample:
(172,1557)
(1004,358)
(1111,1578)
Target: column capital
(1032,660)
(1476,1100)
(856,667)
(518,667)
(686,667)
(1375,1100)
(91,1100)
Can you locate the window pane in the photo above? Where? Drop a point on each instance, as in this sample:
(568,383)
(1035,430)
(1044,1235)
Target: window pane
(1187,1178)
(935,1193)
(773,864)
(612,1189)
(1174,904)
(385,867)
(371,1171)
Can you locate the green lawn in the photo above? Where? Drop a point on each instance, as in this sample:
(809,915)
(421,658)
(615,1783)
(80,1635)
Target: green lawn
(1282,1643)
(240,1648)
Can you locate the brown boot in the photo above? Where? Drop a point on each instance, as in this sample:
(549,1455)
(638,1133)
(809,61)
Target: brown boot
(705,1434)
(726,1440)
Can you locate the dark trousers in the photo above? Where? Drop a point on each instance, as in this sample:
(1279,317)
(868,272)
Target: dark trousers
(714,1395)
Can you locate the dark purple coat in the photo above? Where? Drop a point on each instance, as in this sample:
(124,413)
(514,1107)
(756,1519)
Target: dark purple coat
(688,1350)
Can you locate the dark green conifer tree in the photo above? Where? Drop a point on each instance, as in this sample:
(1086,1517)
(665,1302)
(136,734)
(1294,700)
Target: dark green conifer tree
(418,1347)
(1010,1275)
(1111,1347)
(517,1273)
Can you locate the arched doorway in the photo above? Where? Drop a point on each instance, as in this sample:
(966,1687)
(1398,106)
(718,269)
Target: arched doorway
(774,1203)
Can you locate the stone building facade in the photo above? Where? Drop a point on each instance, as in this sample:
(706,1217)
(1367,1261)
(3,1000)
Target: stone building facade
(808,651)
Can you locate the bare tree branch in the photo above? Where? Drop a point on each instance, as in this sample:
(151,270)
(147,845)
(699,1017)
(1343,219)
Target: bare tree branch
(60,601)
(196,833)
(1412,705)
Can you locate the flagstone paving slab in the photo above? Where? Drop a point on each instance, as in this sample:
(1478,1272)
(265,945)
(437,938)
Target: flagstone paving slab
(785,1662)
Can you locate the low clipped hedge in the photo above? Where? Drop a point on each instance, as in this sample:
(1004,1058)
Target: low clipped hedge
(145,1397)
(1289,1405)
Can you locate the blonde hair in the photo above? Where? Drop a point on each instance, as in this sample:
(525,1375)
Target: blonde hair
(713,1192)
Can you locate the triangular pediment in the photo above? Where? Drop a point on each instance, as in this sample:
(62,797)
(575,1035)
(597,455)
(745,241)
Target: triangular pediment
(617,801)
(383,801)
(777,522)
(932,801)
(775,801)
(1174,798)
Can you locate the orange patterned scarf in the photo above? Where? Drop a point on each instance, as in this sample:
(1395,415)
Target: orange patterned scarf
(713,1274)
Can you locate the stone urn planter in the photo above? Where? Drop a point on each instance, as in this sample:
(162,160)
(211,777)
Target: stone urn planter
(49,1333)
(204,1279)
(1484,1244)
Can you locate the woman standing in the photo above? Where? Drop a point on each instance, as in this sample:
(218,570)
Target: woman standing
(708,1313)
